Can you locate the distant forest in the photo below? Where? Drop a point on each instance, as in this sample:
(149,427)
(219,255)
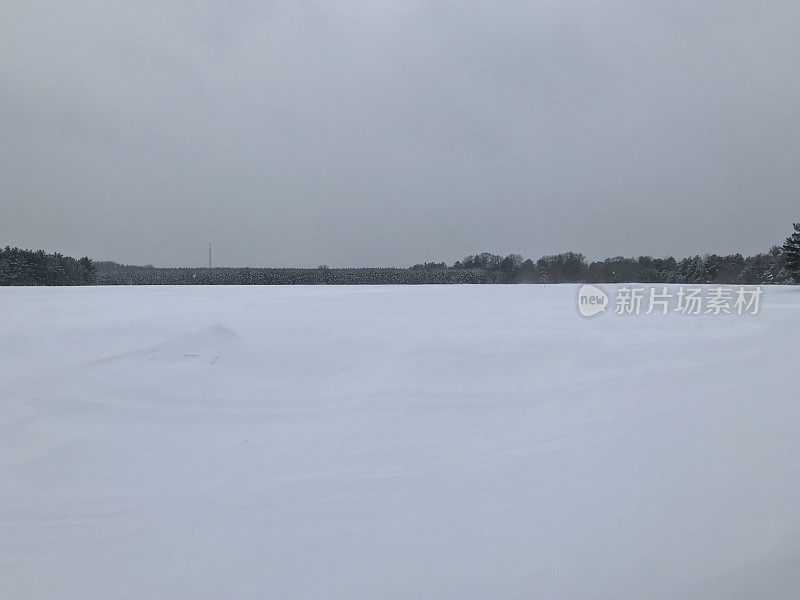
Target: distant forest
(779,265)
(568,267)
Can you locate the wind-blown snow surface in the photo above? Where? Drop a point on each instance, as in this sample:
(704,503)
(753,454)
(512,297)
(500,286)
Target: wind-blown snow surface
(393,442)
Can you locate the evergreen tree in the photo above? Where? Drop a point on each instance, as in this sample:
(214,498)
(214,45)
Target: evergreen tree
(28,267)
(791,252)
(86,270)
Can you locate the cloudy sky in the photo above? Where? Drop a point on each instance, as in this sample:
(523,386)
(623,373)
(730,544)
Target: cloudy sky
(374,133)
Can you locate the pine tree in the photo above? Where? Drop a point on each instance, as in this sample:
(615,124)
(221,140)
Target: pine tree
(791,252)
(87,270)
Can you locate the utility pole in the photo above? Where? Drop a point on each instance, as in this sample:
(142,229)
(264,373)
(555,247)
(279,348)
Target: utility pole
(209,255)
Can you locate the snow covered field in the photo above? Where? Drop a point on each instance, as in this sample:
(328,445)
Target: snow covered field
(445,442)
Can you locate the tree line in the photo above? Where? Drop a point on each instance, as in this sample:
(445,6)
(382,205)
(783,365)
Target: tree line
(773,267)
(116,274)
(36,267)
(568,267)
(781,264)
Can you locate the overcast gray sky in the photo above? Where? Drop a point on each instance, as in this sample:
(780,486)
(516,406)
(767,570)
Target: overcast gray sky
(387,133)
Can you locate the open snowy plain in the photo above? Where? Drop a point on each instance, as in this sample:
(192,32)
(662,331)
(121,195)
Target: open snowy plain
(353,443)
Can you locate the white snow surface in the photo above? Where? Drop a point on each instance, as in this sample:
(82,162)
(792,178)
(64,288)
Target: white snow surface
(443,442)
